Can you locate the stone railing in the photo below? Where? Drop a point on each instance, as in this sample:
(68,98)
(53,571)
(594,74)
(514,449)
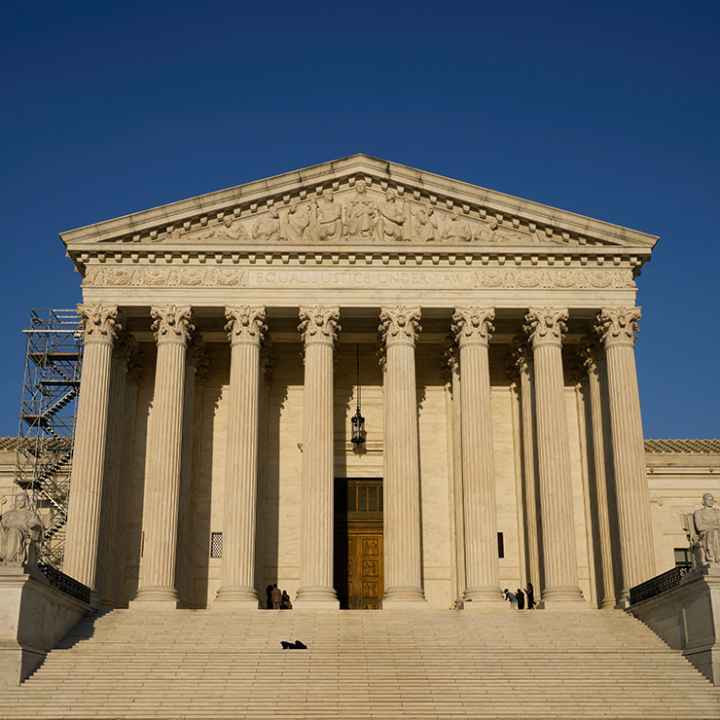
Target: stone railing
(658,584)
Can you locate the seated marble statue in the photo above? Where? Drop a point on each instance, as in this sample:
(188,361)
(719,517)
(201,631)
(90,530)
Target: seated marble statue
(20,532)
(707,526)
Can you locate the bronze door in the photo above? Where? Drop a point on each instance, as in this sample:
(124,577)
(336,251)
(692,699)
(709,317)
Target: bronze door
(359,543)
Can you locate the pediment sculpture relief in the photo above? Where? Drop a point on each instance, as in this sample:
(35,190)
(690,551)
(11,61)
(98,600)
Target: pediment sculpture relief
(362,214)
(702,528)
(20,533)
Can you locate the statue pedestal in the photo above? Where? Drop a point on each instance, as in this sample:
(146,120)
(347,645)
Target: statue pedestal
(687,618)
(34,617)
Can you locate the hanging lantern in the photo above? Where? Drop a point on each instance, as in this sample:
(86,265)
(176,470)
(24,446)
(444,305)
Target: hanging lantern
(358,421)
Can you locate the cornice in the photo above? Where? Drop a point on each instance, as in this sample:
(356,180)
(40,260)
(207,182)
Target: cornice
(158,226)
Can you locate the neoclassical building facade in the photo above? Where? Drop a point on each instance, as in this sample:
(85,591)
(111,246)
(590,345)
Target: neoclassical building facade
(487,341)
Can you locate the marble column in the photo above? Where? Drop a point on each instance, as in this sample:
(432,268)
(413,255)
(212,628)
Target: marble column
(606,597)
(100,328)
(452,357)
(545,327)
(245,327)
(617,327)
(472,327)
(400,326)
(115,468)
(318,328)
(172,327)
(523,366)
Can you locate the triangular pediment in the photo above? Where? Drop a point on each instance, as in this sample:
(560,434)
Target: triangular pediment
(359,202)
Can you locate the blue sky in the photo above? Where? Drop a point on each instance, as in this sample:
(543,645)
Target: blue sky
(608,109)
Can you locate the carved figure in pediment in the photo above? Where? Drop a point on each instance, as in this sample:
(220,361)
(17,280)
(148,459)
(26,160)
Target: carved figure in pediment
(457,228)
(298,222)
(391,216)
(424,223)
(362,214)
(20,533)
(229,229)
(267,228)
(329,217)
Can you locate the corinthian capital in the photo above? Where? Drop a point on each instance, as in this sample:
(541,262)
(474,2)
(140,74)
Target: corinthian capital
(171,323)
(617,326)
(245,324)
(400,324)
(519,358)
(473,325)
(546,325)
(319,324)
(99,323)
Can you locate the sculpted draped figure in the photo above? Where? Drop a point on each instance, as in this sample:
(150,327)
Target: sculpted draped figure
(391,217)
(329,217)
(362,214)
(20,533)
(707,526)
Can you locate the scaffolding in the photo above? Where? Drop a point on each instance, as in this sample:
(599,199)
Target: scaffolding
(51,383)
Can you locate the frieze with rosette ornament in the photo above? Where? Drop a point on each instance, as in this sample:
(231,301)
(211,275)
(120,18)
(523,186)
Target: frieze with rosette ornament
(198,277)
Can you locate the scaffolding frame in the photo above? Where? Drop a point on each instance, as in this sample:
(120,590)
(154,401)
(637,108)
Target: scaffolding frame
(46,427)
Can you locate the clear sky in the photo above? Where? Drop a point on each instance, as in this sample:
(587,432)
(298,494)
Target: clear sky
(608,109)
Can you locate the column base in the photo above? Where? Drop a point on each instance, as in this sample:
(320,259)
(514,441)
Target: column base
(488,598)
(399,598)
(236,599)
(155,599)
(563,598)
(316,598)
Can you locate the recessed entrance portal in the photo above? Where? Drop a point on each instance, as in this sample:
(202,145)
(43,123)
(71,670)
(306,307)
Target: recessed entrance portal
(359,543)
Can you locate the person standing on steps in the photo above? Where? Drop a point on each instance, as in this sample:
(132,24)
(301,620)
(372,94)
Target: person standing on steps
(285,603)
(510,597)
(520,599)
(276,597)
(530,593)
(268,597)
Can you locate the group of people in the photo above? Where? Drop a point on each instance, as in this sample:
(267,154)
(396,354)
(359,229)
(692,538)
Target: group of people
(277,599)
(519,599)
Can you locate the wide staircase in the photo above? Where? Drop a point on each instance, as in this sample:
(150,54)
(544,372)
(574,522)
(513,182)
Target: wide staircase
(363,664)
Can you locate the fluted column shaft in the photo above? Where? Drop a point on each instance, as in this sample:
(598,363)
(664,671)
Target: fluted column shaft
(245,329)
(81,541)
(472,327)
(617,328)
(607,597)
(401,485)
(318,326)
(162,484)
(522,363)
(108,570)
(546,327)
